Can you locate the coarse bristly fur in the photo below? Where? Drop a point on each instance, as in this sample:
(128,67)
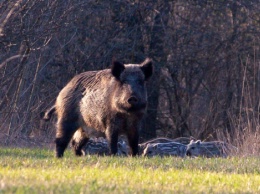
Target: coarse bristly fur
(110,101)
(165,149)
(210,149)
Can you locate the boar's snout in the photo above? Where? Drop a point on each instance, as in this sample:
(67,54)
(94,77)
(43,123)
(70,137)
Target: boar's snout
(135,103)
(133,100)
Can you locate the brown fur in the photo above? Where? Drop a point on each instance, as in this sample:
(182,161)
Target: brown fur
(111,101)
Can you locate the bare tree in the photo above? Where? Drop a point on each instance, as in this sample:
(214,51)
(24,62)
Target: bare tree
(206,53)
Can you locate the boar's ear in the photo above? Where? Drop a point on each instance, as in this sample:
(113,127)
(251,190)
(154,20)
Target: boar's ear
(147,68)
(117,68)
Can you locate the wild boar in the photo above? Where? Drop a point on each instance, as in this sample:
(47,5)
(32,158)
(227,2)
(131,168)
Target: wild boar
(110,101)
(99,146)
(182,140)
(165,149)
(210,149)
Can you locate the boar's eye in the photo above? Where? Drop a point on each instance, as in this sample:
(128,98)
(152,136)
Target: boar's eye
(123,82)
(140,82)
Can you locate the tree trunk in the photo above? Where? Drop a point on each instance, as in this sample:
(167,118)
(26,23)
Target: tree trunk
(159,56)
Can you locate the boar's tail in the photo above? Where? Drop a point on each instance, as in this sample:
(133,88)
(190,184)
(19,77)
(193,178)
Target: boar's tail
(47,115)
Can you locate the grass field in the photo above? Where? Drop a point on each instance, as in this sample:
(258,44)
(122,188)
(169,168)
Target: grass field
(37,171)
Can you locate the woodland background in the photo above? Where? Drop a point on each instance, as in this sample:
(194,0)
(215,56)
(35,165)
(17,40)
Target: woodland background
(206,55)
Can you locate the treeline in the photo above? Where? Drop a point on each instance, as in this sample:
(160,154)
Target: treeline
(206,54)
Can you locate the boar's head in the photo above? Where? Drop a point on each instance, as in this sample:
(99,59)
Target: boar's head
(130,94)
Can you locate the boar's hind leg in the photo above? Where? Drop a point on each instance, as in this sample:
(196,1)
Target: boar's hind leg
(79,140)
(64,133)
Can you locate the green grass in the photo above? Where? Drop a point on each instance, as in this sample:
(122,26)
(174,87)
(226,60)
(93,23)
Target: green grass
(37,171)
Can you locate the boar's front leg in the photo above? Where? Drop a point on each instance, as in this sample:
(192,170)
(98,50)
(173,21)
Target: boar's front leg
(133,138)
(112,138)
